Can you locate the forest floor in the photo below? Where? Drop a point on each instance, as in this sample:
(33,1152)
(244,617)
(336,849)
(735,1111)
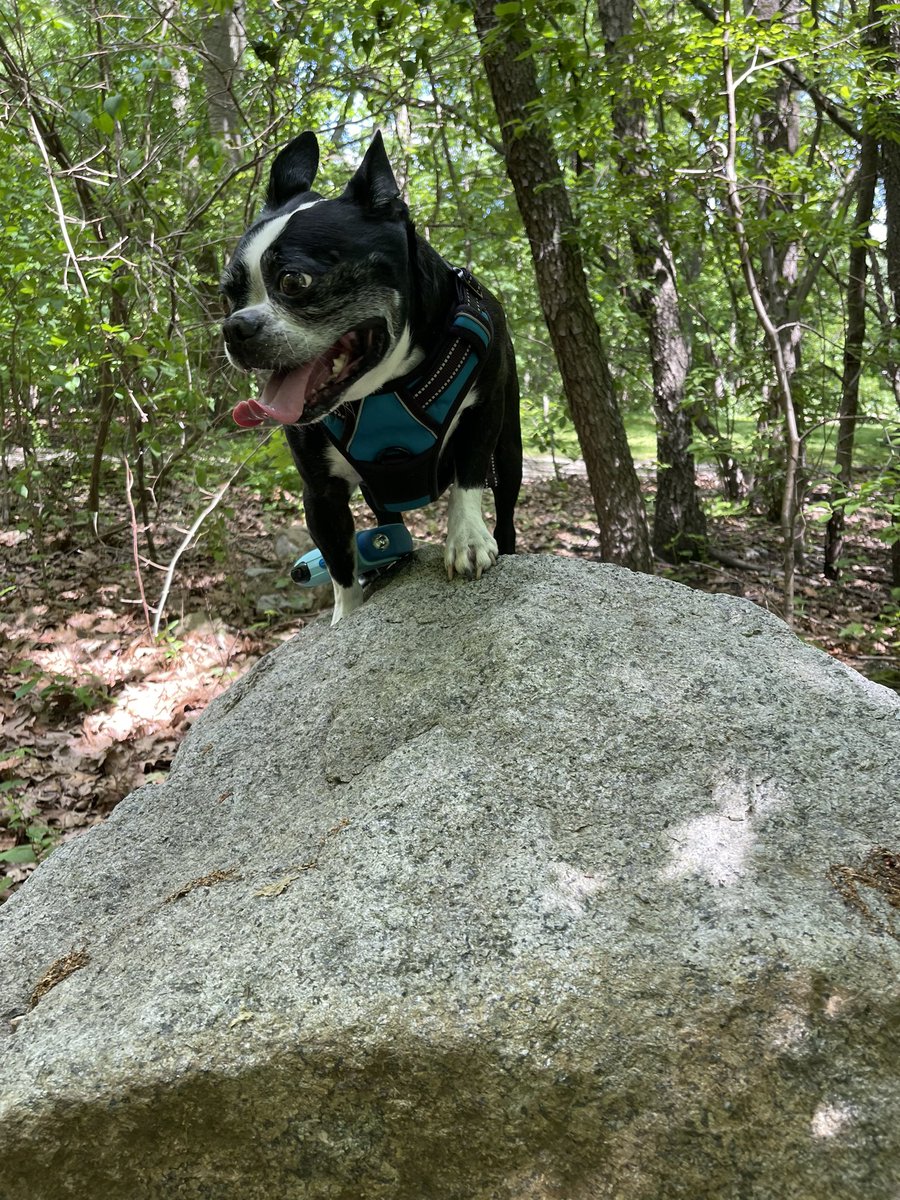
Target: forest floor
(93,707)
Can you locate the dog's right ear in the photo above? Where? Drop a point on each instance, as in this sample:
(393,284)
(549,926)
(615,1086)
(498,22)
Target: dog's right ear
(293,170)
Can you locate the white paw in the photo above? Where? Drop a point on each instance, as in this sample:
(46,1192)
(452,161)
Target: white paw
(346,601)
(471,558)
(470,549)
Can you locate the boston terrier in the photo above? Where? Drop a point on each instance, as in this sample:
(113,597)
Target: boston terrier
(388,368)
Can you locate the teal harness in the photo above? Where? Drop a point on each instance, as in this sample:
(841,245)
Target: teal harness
(393,438)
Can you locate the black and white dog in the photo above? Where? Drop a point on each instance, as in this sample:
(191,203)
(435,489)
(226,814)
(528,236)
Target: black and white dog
(388,368)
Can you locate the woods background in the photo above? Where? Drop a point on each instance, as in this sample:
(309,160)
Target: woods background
(690,211)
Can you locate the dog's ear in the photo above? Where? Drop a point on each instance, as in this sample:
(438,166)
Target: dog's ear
(293,170)
(374,187)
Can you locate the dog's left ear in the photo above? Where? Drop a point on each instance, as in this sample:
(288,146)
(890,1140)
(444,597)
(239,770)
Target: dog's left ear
(293,170)
(374,187)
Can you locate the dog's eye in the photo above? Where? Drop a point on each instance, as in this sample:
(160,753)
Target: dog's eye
(292,283)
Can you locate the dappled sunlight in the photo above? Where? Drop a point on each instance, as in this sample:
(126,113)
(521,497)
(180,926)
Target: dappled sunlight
(829,1120)
(835,1005)
(715,846)
(569,888)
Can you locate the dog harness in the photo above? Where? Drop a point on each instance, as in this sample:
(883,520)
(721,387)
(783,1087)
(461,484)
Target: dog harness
(393,438)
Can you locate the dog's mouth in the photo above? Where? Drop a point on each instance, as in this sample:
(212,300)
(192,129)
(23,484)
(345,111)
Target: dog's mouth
(313,389)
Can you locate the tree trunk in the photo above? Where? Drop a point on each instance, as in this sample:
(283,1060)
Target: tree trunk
(777,131)
(679,524)
(889,39)
(853,347)
(789,504)
(543,201)
(224,41)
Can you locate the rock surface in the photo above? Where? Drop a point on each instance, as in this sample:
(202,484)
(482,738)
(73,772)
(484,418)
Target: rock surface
(569,884)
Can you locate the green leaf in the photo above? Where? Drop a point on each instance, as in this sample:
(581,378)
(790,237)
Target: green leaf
(18,854)
(115,106)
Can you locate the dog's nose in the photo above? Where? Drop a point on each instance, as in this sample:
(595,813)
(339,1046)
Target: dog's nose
(243,325)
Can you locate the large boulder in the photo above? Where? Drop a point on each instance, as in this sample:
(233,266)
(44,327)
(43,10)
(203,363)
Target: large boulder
(570,883)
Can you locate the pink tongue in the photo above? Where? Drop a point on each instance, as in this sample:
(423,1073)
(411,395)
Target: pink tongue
(285,395)
(247,414)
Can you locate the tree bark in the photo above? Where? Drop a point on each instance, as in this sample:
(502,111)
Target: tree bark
(889,42)
(534,171)
(224,41)
(889,39)
(679,523)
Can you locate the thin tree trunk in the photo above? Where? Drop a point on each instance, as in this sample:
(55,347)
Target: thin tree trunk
(886,36)
(535,174)
(679,523)
(224,40)
(888,39)
(853,347)
(789,504)
(777,131)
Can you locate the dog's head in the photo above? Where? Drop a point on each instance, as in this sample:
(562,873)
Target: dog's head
(317,291)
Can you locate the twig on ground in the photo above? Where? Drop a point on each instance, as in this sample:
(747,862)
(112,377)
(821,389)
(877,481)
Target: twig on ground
(135,549)
(741,564)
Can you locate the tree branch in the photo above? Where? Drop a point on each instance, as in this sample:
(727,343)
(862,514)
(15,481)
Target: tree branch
(794,74)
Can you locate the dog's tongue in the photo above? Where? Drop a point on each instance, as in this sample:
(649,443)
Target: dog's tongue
(247,414)
(283,397)
(286,392)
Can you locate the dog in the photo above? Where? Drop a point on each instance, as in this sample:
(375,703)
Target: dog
(388,368)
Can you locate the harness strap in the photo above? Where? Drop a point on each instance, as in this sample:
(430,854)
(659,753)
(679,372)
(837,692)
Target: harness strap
(393,438)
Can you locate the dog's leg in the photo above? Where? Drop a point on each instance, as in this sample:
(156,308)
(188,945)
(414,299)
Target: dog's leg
(470,550)
(330,523)
(346,600)
(383,516)
(508,468)
(326,502)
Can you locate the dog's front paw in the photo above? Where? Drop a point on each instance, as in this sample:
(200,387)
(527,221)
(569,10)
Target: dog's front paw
(470,549)
(470,553)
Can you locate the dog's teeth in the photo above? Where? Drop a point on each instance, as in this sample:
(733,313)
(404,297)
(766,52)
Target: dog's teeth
(338,365)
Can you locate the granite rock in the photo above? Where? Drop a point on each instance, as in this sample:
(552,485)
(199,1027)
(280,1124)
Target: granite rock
(567,884)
